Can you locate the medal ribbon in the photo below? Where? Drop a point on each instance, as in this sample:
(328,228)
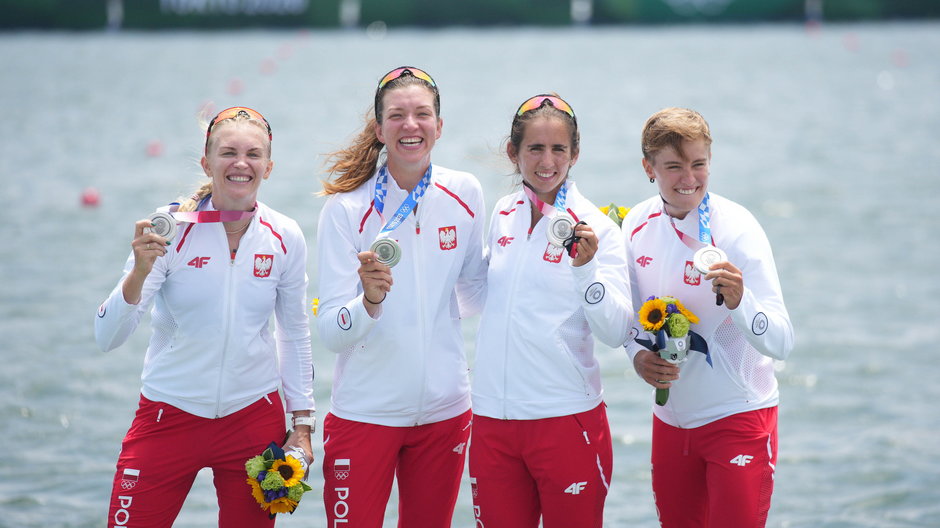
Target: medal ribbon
(548,210)
(704,236)
(381,189)
(200,217)
(704,227)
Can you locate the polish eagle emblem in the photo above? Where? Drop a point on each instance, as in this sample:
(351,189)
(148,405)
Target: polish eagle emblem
(448,237)
(263,265)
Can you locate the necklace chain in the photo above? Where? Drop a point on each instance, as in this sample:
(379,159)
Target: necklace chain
(239,229)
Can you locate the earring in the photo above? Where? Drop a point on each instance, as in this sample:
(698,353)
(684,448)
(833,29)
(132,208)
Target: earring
(652,180)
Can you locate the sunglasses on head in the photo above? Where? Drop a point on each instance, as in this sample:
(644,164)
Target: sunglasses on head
(406,70)
(538,101)
(236,111)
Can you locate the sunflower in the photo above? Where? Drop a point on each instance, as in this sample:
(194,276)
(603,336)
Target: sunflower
(653,315)
(257,493)
(684,311)
(283,505)
(290,470)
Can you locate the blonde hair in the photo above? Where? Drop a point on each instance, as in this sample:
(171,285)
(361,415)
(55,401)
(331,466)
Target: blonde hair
(669,127)
(192,203)
(354,165)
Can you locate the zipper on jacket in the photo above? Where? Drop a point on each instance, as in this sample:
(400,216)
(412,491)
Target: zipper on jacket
(423,348)
(228,324)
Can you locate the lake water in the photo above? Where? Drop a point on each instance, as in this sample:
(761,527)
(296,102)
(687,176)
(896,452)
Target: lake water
(830,137)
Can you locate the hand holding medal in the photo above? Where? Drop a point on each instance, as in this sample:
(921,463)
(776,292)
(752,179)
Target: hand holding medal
(375,277)
(148,247)
(703,260)
(162,224)
(387,251)
(727,280)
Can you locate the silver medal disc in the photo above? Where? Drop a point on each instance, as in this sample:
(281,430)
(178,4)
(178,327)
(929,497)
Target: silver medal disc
(560,229)
(163,224)
(705,257)
(387,251)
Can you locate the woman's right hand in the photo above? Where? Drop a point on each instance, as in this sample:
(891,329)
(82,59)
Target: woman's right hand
(655,370)
(376,279)
(147,247)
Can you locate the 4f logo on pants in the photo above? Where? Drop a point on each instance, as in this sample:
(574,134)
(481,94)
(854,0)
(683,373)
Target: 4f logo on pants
(576,488)
(741,460)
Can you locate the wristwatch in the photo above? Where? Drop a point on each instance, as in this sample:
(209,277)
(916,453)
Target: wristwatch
(306,420)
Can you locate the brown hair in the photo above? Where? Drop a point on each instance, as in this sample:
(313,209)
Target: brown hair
(669,127)
(354,165)
(519,123)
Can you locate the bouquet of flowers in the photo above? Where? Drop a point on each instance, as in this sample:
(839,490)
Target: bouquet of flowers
(615,213)
(670,323)
(276,479)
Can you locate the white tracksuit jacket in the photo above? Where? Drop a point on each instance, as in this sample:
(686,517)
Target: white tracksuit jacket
(535,348)
(407,366)
(212,352)
(742,342)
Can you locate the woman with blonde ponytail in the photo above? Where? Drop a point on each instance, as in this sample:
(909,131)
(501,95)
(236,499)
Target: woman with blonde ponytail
(400,403)
(191,203)
(213,371)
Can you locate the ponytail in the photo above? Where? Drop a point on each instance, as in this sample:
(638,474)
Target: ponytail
(192,202)
(354,165)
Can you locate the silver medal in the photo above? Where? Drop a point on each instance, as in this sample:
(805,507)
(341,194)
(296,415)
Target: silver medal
(705,257)
(387,251)
(560,229)
(163,224)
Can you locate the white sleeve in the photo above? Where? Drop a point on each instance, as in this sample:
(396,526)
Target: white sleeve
(631,346)
(762,315)
(605,287)
(471,284)
(117,319)
(293,328)
(342,320)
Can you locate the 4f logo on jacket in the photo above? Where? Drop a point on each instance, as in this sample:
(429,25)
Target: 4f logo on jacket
(447,237)
(198,262)
(263,264)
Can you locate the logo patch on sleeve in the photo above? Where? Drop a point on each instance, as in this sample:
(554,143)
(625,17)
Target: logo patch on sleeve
(594,293)
(759,324)
(343,319)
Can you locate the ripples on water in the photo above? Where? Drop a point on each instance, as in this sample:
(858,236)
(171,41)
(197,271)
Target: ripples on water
(828,137)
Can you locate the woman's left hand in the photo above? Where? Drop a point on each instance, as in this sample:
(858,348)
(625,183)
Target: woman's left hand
(300,437)
(586,246)
(727,281)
